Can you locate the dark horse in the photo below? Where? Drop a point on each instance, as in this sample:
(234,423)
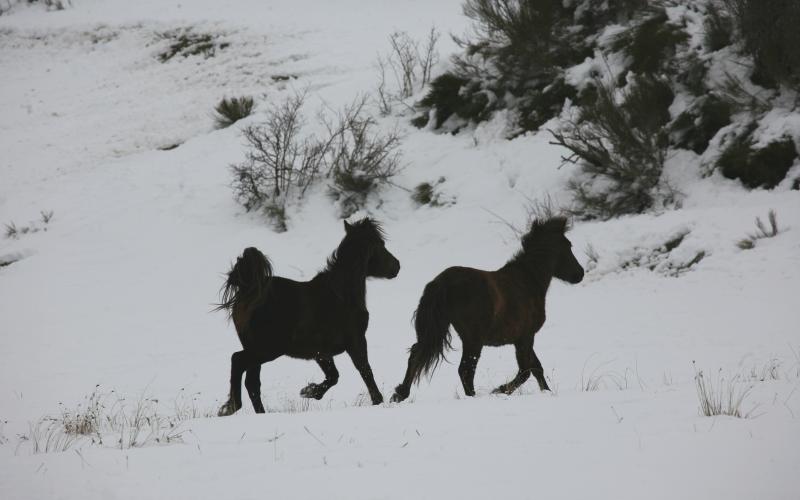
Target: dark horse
(492,308)
(317,319)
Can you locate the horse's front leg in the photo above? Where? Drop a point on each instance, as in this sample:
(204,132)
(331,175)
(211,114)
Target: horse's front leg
(316,391)
(358,353)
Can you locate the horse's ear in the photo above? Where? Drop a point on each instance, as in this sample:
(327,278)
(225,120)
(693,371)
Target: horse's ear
(347,227)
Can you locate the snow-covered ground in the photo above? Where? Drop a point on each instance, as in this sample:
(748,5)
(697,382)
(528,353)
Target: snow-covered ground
(117,290)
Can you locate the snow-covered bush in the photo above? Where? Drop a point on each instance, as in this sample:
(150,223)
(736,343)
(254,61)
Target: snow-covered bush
(717,27)
(621,148)
(231,110)
(757,166)
(770,34)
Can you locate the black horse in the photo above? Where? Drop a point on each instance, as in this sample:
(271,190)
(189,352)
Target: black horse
(492,308)
(317,319)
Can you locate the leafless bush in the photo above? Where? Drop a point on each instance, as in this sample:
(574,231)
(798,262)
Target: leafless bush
(722,396)
(409,64)
(762,231)
(277,162)
(280,165)
(361,160)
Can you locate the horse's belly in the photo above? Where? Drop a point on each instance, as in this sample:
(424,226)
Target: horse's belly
(310,347)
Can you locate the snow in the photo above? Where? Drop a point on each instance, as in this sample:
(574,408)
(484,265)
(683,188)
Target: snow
(117,290)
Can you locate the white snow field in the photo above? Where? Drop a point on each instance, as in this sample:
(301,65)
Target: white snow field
(116,289)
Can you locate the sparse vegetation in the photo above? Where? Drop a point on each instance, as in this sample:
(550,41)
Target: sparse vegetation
(185,42)
(722,396)
(12,231)
(762,231)
(107,419)
(231,110)
(426,193)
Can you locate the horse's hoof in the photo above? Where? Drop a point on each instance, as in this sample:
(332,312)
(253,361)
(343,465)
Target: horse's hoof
(503,390)
(228,408)
(376,400)
(398,398)
(312,391)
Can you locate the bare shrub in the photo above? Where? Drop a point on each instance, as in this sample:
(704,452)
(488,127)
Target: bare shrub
(621,148)
(722,396)
(361,159)
(277,162)
(230,110)
(409,64)
(280,165)
(762,231)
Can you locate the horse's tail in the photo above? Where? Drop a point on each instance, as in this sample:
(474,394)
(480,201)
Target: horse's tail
(247,282)
(433,330)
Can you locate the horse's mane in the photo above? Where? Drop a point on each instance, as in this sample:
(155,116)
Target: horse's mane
(538,242)
(347,265)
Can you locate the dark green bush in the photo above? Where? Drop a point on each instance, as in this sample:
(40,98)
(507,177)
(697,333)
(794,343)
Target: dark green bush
(541,105)
(651,42)
(764,167)
(621,152)
(770,30)
(696,126)
(231,110)
(717,27)
(453,95)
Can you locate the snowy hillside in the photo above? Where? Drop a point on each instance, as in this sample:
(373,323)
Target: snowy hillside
(117,185)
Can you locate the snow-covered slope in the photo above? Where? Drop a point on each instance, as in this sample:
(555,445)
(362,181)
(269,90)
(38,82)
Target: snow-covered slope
(117,290)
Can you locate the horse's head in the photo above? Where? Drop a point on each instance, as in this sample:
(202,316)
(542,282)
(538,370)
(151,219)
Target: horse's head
(380,262)
(547,238)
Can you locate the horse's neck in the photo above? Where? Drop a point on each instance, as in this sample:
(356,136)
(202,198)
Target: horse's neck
(349,285)
(533,274)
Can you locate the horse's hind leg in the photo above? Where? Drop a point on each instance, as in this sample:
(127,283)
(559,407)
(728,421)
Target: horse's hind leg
(252,382)
(239,363)
(316,391)
(525,362)
(245,361)
(466,369)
